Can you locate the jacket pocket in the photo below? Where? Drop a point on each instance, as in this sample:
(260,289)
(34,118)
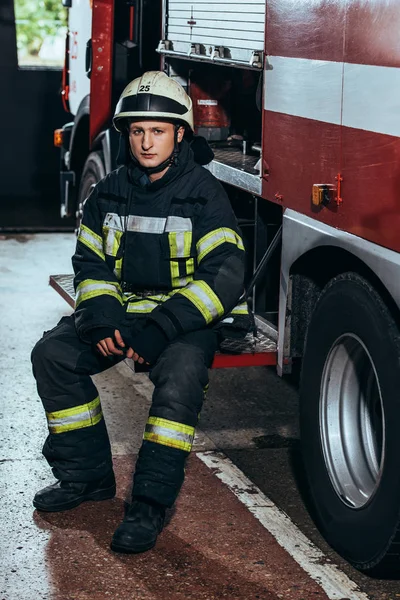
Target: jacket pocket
(112,238)
(113,232)
(178,249)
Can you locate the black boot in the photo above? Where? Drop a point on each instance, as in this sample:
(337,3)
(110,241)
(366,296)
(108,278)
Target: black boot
(139,530)
(64,495)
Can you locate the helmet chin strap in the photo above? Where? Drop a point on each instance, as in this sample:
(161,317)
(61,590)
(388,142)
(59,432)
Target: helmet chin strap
(168,162)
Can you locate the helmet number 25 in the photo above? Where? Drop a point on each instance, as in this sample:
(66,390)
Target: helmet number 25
(144,88)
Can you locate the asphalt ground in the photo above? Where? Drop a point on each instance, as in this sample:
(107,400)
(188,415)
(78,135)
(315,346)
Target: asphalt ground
(213,547)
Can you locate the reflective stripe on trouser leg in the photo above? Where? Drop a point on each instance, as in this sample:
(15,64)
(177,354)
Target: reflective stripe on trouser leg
(180,377)
(169,433)
(77,447)
(78,417)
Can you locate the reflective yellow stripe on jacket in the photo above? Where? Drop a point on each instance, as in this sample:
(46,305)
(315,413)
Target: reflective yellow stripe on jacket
(240,309)
(113,230)
(180,243)
(90,288)
(118,269)
(215,238)
(204,299)
(169,433)
(78,417)
(177,279)
(141,306)
(112,240)
(90,239)
(138,304)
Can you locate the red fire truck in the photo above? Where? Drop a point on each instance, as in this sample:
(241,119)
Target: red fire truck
(300,102)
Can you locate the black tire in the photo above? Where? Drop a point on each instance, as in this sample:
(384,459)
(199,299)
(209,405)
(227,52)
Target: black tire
(349,420)
(93,171)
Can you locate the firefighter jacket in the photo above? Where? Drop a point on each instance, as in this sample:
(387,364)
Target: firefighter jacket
(169,250)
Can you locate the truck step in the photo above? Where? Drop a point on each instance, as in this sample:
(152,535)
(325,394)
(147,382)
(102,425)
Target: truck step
(232,166)
(252,351)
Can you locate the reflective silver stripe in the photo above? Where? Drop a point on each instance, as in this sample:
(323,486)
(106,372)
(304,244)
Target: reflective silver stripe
(113,228)
(141,307)
(149,296)
(180,248)
(170,433)
(90,288)
(204,299)
(112,240)
(179,224)
(114,221)
(82,416)
(158,224)
(101,285)
(91,240)
(146,224)
(77,417)
(182,282)
(118,269)
(240,309)
(215,238)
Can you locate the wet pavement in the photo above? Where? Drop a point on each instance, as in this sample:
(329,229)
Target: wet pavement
(201,554)
(213,546)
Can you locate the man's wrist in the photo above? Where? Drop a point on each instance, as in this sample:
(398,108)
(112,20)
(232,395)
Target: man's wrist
(100,333)
(149,343)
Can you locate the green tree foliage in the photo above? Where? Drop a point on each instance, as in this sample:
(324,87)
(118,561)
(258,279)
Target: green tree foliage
(37,20)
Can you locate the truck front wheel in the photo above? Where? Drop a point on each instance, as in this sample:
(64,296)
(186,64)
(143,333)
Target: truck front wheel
(350,419)
(93,171)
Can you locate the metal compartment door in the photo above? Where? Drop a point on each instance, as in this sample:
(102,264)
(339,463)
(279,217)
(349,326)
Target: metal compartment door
(229,31)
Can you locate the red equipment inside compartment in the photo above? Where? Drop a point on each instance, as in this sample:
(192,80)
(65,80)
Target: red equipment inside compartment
(211,106)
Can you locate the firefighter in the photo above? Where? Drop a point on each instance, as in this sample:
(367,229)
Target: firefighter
(159,261)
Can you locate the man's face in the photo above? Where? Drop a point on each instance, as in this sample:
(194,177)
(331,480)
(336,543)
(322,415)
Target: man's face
(152,142)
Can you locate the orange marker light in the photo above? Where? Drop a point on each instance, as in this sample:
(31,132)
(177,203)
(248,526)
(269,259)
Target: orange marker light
(58,138)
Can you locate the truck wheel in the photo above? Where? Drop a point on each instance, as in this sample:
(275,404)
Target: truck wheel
(350,420)
(93,171)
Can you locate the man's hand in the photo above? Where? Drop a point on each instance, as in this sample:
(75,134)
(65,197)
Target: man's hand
(147,345)
(135,356)
(107,346)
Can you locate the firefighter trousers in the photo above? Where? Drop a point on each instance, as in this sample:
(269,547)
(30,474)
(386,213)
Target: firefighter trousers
(77,447)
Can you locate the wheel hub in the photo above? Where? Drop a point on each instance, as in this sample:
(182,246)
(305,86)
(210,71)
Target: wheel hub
(352,425)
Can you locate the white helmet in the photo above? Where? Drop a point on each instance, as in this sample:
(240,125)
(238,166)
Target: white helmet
(154,95)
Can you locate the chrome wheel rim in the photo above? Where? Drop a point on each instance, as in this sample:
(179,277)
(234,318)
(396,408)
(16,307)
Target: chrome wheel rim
(352,424)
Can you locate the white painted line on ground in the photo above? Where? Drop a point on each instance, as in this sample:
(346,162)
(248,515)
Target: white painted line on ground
(335,584)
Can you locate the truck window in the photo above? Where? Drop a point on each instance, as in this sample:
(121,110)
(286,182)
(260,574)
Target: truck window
(41,30)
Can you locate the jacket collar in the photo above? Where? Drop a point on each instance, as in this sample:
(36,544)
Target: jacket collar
(185,164)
